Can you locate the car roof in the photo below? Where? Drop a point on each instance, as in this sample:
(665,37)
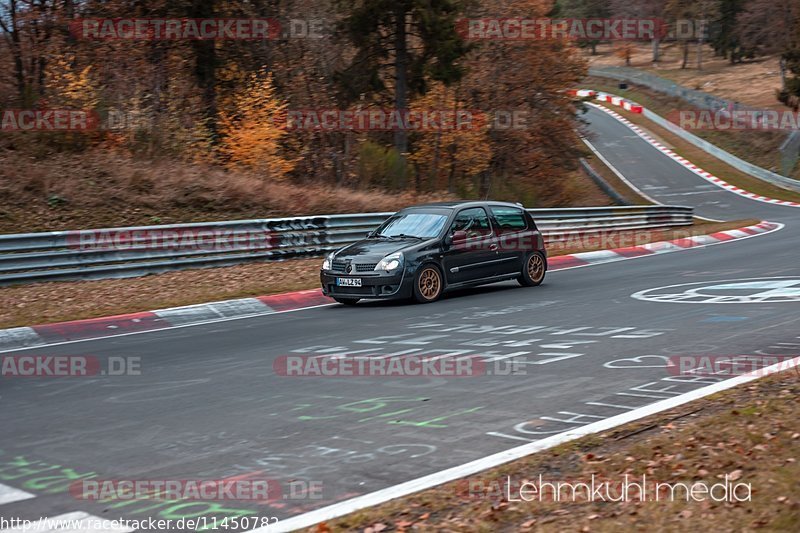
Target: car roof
(459,205)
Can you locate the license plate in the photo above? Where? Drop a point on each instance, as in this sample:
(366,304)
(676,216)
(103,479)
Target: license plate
(348,282)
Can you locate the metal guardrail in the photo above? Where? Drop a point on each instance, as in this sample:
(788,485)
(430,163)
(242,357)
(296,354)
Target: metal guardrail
(790,152)
(606,187)
(137,251)
(697,98)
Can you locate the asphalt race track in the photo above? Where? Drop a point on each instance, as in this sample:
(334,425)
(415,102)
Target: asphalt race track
(208,404)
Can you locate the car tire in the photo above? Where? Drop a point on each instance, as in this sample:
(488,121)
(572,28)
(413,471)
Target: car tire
(347,301)
(533,270)
(428,284)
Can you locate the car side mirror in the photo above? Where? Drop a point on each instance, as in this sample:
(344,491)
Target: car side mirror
(448,240)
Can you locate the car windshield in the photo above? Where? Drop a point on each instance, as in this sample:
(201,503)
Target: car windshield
(423,225)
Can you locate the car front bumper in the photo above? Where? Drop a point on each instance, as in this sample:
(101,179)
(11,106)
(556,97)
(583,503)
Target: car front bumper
(382,286)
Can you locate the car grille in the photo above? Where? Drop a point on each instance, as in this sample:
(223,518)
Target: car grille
(340,266)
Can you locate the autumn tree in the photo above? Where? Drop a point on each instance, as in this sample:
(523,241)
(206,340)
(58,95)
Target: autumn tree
(253,130)
(210,100)
(304,73)
(529,80)
(583,9)
(690,19)
(725,38)
(459,150)
(414,40)
(773,27)
(647,9)
(70,85)
(624,51)
(27,29)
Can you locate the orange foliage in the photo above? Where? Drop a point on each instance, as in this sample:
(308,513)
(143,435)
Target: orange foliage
(252,134)
(450,153)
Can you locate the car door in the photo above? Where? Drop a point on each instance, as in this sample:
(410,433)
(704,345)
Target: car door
(471,254)
(514,237)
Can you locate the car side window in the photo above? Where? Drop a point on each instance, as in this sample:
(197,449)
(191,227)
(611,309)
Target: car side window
(509,219)
(470,224)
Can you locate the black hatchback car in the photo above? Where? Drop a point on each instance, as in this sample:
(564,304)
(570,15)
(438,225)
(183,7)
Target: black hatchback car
(422,251)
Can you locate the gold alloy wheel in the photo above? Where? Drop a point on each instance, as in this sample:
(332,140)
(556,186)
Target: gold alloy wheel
(430,283)
(536,268)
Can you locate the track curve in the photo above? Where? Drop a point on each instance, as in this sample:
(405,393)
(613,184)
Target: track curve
(208,404)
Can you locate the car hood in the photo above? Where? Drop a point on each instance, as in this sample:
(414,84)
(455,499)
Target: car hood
(375,249)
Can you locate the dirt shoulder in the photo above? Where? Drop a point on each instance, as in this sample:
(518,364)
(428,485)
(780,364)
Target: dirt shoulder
(752,82)
(749,434)
(43,303)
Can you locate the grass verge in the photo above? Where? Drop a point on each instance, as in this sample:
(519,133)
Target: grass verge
(102,189)
(42,303)
(748,433)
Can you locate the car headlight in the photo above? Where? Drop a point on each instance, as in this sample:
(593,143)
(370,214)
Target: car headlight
(390,262)
(326,264)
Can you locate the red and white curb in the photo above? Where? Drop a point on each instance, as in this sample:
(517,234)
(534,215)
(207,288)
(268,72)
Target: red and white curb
(691,166)
(563,262)
(177,317)
(618,101)
(608,98)
(581,93)
(113,326)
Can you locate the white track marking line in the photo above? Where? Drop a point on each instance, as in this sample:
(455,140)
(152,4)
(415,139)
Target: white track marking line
(10,494)
(169,328)
(491,461)
(628,182)
(75,522)
(618,173)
